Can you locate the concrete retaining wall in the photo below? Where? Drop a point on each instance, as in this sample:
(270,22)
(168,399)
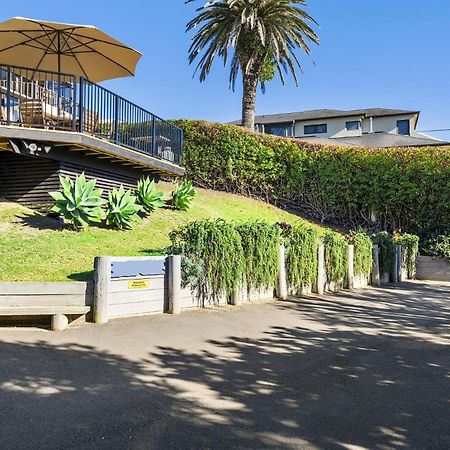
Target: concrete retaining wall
(125,301)
(432,269)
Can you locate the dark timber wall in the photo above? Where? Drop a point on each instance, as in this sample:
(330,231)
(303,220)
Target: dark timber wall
(28,179)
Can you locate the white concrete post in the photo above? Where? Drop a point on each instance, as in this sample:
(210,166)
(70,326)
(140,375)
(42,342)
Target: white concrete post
(394,270)
(101,289)
(321,275)
(399,254)
(351,267)
(59,322)
(376,279)
(175,284)
(282,290)
(236,296)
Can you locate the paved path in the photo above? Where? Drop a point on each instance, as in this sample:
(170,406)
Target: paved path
(370,370)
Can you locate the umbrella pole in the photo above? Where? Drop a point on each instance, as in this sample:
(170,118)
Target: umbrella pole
(59,72)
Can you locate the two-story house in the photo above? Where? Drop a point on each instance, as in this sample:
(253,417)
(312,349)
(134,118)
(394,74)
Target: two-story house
(373,127)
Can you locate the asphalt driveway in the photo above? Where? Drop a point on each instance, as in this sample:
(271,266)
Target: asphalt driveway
(367,370)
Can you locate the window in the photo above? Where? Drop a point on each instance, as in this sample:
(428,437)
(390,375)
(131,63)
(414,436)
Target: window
(280,130)
(403,127)
(354,125)
(316,129)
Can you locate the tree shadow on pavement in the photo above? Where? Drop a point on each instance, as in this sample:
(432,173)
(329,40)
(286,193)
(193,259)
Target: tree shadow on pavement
(350,375)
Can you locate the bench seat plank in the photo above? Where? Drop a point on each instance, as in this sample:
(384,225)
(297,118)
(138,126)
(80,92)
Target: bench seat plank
(43,310)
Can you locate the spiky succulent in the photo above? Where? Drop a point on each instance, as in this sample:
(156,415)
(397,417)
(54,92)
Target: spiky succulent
(148,196)
(183,196)
(79,202)
(122,209)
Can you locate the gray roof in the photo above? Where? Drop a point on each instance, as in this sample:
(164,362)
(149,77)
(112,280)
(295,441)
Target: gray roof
(378,140)
(316,114)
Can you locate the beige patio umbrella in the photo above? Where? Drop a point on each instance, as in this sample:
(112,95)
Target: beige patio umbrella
(80,50)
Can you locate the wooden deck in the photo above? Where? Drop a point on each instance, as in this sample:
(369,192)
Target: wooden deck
(89,145)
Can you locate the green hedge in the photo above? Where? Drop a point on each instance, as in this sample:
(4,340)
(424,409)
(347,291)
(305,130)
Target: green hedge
(219,256)
(390,189)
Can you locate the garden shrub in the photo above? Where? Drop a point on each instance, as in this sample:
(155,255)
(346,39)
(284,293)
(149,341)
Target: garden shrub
(336,256)
(410,248)
(302,250)
(363,253)
(384,189)
(260,244)
(437,246)
(386,245)
(214,250)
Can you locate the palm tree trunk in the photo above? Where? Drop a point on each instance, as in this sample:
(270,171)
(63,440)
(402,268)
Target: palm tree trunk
(250,81)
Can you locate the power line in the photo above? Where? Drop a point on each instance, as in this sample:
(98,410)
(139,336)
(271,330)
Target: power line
(432,131)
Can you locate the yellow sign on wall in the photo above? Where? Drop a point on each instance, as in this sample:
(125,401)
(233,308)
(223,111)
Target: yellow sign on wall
(139,284)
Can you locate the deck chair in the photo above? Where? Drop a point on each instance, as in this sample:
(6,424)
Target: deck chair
(35,112)
(90,121)
(3,115)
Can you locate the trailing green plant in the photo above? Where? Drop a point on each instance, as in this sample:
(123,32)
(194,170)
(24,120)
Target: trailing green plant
(260,243)
(214,249)
(122,210)
(393,188)
(183,195)
(302,249)
(386,245)
(79,202)
(336,256)
(148,196)
(410,244)
(437,246)
(363,254)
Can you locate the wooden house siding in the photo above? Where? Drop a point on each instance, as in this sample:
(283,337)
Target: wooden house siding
(27,180)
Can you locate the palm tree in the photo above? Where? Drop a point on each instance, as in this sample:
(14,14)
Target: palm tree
(260,37)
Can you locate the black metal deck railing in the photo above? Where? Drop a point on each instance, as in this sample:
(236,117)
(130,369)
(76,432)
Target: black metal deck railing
(42,99)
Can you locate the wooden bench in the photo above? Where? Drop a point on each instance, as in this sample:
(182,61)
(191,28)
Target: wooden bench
(56,300)
(58,314)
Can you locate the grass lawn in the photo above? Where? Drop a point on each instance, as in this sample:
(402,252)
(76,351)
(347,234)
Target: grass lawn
(36,248)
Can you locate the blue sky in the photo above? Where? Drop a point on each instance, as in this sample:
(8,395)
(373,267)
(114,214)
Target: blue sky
(389,53)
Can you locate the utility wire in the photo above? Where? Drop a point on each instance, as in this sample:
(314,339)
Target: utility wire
(433,131)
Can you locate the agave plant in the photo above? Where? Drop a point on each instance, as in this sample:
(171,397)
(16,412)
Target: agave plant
(148,197)
(78,201)
(122,209)
(183,195)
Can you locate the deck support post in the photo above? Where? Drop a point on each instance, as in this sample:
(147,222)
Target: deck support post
(101,289)
(282,290)
(175,284)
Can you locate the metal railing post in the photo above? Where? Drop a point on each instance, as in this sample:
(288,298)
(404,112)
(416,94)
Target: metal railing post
(154,136)
(180,154)
(74,104)
(8,97)
(116,120)
(81,118)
